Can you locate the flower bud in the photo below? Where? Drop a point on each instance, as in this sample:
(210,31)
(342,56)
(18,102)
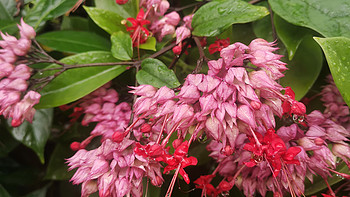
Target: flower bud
(146,128)
(121,2)
(75,146)
(118,136)
(319,141)
(26,30)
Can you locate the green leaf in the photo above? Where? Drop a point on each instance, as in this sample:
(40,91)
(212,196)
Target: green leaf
(34,135)
(74,41)
(337,52)
(107,20)
(151,189)
(216,16)
(76,83)
(9,26)
(121,46)
(290,35)
(40,192)
(330,18)
(262,28)
(127,10)
(57,168)
(150,44)
(7,142)
(155,73)
(304,69)
(75,23)
(44,10)
(3,192)
(319,184)
(7,9)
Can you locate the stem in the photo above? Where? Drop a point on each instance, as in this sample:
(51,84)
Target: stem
(172,183)
(202,56)
(254,1)
(162,129)
(165,141)
(274,34)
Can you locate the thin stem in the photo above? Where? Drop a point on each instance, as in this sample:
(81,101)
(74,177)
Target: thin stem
(172,183)
(162,129)
(255,138)
(254,1)
(202,56)
(329,187)
(187,6)
(274,34)
(165,141)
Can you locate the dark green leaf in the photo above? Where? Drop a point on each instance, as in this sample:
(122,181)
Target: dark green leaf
(44,10)
(7,142)
(76,83)
(290,35)
(337,52)
(40,192)
(151,189)
(304,68)
(75,23)
(150,44)
(107,20)
(262,29)
(121,46)
(3,192)
(74,41)
(319,184)
(36,134)
(127,10)
(216,16)
(7,9)
(57,168)
(155,73)
(330,18)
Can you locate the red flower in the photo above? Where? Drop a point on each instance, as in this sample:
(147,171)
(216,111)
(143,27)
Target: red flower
(121,2)
(218,45)
(273,150)
(179,158)
(138,32)
(203,182)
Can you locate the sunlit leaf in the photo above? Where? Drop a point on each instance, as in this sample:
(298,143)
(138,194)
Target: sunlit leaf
(330,18)
(78,82)
(155,73)
(337,52)
(127,10)
(121,46)
(107,20)
(74,41)
(216,16)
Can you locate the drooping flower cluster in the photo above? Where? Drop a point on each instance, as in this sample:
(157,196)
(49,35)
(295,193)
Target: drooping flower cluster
(336,108)
(234,106)
(100,107)
(113,169)
(16,101)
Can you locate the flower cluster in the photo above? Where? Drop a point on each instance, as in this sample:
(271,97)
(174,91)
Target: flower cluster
(100,106)
(336,108)
(16,101)
(234,106)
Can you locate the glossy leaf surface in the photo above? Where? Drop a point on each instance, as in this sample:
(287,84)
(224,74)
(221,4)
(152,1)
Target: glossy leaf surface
(337,52)
(330,18)
(121,46)
(155,73)
(107,20)
(216,16)
(74,41)
(36,134)
(78,82)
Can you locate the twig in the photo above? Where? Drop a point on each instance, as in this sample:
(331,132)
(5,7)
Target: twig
(187,6)
(202,56)
(254,1)
(274,34)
